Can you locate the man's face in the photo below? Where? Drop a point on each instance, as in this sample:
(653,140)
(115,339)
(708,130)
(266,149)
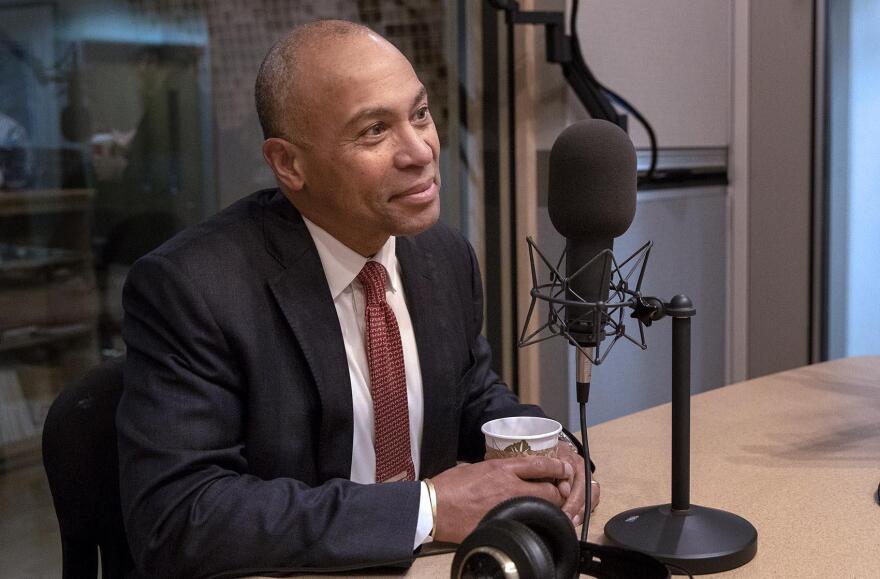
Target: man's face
(370,164)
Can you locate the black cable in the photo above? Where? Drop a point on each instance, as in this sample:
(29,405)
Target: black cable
(588,475)
(643,121)
(623,103)
(585,84)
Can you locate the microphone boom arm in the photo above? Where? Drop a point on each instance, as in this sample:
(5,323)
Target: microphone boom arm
(564,50)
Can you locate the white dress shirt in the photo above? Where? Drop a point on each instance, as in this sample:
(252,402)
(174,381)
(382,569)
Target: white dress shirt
(341,266)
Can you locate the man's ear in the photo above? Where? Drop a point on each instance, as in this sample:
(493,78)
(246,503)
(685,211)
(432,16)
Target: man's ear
(283,158)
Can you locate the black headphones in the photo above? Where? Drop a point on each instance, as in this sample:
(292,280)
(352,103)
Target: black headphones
(530,538)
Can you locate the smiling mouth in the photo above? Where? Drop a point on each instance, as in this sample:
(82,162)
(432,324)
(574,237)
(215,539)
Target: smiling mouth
(418,189)
(423,193)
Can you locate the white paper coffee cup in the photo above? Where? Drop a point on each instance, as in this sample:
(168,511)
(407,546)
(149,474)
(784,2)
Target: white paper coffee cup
(521,436)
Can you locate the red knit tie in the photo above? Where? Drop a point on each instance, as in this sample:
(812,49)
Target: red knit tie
(387,380)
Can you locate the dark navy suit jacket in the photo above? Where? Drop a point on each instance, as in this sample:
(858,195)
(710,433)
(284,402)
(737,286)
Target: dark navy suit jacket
(235,425)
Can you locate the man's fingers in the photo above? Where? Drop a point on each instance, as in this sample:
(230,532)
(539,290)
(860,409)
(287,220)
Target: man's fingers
(544,490)
(574,503)
(564,488)
(539,467)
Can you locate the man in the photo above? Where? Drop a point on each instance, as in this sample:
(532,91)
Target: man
(251,433)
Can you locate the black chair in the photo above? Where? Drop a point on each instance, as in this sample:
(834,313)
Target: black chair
(79,453)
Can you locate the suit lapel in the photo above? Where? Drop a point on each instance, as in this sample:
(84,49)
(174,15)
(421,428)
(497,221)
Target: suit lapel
(303,295)
(417,268)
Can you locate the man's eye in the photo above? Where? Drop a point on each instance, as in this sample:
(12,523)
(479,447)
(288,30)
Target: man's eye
(423,113)
(375,130)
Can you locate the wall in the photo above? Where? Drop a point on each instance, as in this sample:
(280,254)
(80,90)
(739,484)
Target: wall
(671,59)
(779,184)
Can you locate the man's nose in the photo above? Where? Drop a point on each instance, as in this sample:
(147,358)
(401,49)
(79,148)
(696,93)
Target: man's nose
(414,149)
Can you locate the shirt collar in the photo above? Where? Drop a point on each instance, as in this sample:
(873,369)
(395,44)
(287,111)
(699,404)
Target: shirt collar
(342,264)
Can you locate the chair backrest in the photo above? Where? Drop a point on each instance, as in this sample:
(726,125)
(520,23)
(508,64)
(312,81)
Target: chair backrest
(79,454)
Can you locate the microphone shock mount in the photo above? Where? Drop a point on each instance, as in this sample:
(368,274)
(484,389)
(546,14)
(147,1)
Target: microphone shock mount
(598,321)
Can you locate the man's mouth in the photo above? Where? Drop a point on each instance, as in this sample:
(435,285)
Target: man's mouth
(419,193)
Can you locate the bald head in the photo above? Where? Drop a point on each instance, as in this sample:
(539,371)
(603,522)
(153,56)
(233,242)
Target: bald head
(292,67)
(349,135)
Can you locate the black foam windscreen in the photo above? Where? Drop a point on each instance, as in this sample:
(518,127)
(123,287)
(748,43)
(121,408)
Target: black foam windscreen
(591,200)
(592,190)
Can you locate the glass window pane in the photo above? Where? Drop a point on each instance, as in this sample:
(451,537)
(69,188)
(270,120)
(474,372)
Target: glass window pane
(121,123)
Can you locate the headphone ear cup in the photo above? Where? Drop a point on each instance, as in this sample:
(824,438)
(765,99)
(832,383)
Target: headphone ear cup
(550,524)
(483,550)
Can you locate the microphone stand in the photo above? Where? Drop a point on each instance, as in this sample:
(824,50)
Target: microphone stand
(695,538)
(691,538)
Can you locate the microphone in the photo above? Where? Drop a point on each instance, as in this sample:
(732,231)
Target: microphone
(591,200)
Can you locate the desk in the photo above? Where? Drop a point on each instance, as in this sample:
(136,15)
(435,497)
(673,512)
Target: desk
(796,453)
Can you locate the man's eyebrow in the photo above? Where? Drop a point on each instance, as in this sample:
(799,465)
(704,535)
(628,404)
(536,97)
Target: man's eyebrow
(420,96)
(383,111)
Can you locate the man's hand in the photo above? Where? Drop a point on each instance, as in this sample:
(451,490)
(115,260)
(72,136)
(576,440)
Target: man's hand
(467,491)
(573,487)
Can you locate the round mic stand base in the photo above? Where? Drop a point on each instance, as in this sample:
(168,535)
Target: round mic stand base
(698,540)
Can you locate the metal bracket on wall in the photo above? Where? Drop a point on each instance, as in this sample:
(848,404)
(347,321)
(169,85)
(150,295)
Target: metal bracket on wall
(564,49)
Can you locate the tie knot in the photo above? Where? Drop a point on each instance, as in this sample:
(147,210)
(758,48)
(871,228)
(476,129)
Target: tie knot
(372,277)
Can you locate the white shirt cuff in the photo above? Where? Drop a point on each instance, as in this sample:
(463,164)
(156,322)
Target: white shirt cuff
(426,519)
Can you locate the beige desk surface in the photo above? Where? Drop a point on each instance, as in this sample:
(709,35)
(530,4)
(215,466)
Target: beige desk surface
(796,453)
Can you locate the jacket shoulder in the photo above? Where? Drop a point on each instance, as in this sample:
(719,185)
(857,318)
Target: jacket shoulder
(222,241)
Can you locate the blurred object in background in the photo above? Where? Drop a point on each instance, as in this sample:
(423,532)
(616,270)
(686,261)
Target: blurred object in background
(15,154)
(110,154)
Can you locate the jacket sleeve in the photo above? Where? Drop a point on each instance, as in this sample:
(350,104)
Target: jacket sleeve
(190,506)
(487,397)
